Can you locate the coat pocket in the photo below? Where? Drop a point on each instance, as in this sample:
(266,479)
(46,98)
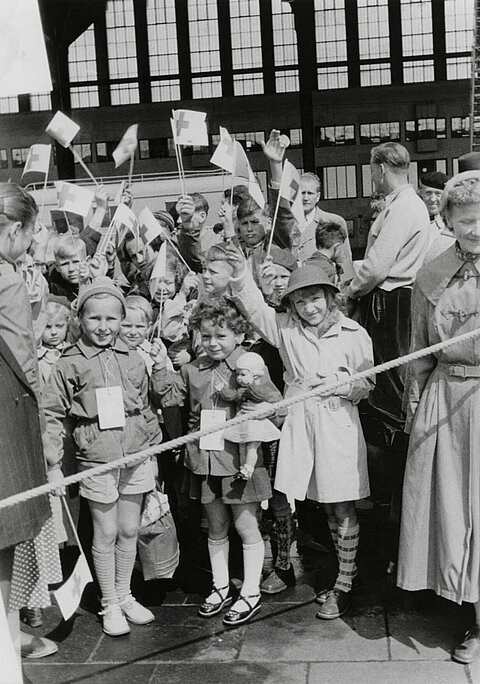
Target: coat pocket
(85,435)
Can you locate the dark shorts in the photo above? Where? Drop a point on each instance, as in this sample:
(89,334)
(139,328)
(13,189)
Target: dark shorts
(208,488)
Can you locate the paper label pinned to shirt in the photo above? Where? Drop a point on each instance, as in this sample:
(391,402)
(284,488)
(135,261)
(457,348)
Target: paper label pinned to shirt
(208,418)
(111,411)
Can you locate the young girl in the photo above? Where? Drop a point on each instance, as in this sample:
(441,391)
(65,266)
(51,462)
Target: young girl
(213,462)
(103,386)
(53,337)
(322,453)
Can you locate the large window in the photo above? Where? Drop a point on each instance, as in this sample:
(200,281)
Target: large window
(375,74)
(459,18)
(82,68)
(334,135)
(373,42)
(207,86)
(248,84)
(418,71)
(19,156)
(204,47)
(331,39)
(417,35)
(84,96)
(8,105)
(338,182)
(460,126)
(163,50)
(122,51)
(425,129)
(246,46)
(40,102)
(284,47)
(332,77)
(124,93)
(376,133)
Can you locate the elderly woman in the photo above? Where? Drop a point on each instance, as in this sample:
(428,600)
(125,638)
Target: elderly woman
(440,533)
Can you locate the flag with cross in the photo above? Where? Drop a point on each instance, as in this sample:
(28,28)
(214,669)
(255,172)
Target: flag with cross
(244,170)
(62,129)
(189,127)
(69,594)
(74,198)
(291,191)
(127,146)
(159,269)
(148,226)
(224,152)
(38,159)
(125,222)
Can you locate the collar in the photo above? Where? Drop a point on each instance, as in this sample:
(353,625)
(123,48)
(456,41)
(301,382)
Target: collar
(43,351)
(89,350)
(343,323)
(204,362)
(394,194)
(433,278)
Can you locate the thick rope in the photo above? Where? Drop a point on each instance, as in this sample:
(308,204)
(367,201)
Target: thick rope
(260,413)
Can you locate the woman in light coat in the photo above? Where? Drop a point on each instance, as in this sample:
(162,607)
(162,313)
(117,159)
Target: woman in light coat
(322,452)
(440,530)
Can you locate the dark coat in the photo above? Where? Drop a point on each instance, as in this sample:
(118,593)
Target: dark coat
(21,453)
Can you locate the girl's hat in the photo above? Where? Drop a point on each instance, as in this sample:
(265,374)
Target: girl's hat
(100,286)
(283,257)
(306,276)
(166,217)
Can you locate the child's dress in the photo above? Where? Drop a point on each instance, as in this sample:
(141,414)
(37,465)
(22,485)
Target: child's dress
(322,453)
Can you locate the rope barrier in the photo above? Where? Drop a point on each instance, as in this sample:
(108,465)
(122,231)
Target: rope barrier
(131,459)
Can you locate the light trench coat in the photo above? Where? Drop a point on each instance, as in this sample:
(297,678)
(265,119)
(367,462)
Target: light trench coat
(322,453)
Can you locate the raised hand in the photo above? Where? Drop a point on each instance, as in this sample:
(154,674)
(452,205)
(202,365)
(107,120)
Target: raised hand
(274,148)
(158,353)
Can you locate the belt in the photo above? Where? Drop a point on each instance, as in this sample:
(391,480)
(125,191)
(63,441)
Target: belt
(461,371)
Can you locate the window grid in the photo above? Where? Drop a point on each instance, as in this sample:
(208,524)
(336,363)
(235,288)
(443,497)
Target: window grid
(330,31)
(295,135)
(459,16)
(250,140)
(82,60)
(418,71)
(207,86)
(284,35)
(124,93)
(373,30)
(332,77)
(8,105)
(203,30)
(376,133)
(162,38)
(425,129)
(40,102)
(375,74)
(246,35)
(85,152)
(458,67)
(287,81)
(367,184)
(156,148)
(417,30)
(334,135)
(460,126)
(104,150)
(248,84)
(3,159)
(84,96)
(19,156)
(339,182)
(121,43)
(165,91)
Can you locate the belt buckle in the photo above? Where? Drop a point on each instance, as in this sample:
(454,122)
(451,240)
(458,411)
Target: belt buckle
(458,371)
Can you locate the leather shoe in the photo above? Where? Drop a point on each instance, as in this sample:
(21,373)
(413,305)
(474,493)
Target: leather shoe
(278,580)
(469,649)
(209,609)
(337,603)
(323,594)
(39,647)
(240,617)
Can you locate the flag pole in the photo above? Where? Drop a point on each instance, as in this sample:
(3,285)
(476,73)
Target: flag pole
(130,172)
(270,239)
(43,196)
(234,160)
(174,246)
(83,165)
(159,319)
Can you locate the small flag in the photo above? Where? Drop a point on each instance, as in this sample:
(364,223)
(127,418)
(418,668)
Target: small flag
(69,595)
(127,146)
(244,170)
(159,269)
(189,128)
(62,129)
(126,222)
(290,190)
(149,227)
(74,198)
(38,159)
(223,155)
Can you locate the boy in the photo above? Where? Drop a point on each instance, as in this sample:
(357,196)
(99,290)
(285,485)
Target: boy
(329,239)
(64,277)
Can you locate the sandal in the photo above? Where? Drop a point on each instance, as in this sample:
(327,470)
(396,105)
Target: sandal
(239,617)
(208,609)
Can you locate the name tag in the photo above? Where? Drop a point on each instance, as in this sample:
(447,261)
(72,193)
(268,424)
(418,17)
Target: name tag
(111,412)
(208,418)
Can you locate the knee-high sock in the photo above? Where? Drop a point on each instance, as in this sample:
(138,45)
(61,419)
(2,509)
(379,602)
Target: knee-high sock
(218,551)
(347,552)
(284,530)
(333,527)
(104,563)
(125,554)
(253,555)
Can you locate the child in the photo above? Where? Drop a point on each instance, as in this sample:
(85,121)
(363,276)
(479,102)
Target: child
(103,387)
(322,453)
(217,272)
(135,327)
(284,263)
(213,463)
(254,387)
(329,239)
(64,277)
(54,336)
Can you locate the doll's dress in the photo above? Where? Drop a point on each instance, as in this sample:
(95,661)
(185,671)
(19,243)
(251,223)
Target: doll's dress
(262,430)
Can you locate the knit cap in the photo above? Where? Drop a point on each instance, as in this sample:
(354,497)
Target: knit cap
(166,217)
(101,285)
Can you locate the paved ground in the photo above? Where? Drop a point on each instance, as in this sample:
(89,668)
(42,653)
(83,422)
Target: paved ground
(387,636)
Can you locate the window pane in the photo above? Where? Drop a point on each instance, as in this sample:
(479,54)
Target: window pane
(121,43)
(330,30)
(203,30)
(375,74)
(248,84)
(8,105)
(82,61)
(85,152)
(250,140)
(418,71)
(458,67)
(165,91)
(417,36)
(334,135)
(208,86)
(124,93)
(40,102)
(162,38)
(367,185)
(373,30)
(460,126)
(19,156)
(376,133)
(246,35)
(3,159)
(287,81)
(459,16)
(284,35)
(339,182)
(332,77)
(86,96)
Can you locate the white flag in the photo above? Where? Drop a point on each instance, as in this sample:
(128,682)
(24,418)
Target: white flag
(189,128)
(126,222)
(38,159)
(69,595)
(159,268)
(224,152)
(74,198)
(62,129)
(126,147)
(290,189)
(244,170)
(149,227)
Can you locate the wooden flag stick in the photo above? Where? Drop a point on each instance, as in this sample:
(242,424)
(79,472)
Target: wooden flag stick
(130,172)
(233,173)
(171,242)
(159,319)
(43,196)
(83,165)
(270,239)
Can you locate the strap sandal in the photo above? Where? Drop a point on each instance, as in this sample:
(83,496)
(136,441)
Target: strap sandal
(240,617)
(209,609)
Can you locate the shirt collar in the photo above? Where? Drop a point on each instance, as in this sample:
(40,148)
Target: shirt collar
(394,194)
(89,350)
(205,362)
(433,277)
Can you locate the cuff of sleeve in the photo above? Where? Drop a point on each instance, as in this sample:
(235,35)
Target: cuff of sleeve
(55,466)
(238,283)
(275,185)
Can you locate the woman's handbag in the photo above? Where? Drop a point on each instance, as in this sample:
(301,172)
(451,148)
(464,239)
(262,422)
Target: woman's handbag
(158,548)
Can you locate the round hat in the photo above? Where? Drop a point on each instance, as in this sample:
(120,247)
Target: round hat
(306,276)
(434,179)
(166,217)
(102,285)
(469,162)
(283,257)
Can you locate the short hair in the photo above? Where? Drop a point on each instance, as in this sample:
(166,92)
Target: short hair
(392,154)
(217,253)
(464,188)
(329,234)
(16,205)
(240,193)
(200,202)
(69,245)
(53,308)
(139,303)
(249,207)
(221,311)
(309,176)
